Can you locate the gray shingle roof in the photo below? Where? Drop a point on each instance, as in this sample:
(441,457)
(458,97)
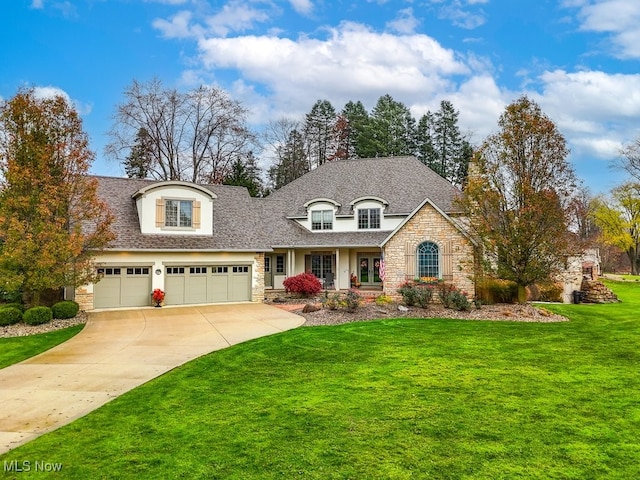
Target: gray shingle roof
(233,216)
(254,224)
(404,182)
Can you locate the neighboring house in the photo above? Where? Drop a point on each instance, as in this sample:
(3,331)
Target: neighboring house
(381,220)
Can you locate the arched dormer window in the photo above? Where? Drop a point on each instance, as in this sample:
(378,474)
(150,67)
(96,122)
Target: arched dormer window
(428,257)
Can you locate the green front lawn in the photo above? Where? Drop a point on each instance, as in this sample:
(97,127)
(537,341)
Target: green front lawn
(393,399)
(16,349)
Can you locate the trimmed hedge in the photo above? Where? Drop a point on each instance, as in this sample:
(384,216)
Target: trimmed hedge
(65,309)
(17,305)
(10,316)
(37,315)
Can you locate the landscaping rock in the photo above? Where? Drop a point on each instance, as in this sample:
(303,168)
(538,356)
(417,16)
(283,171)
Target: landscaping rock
(311,307)
(597,292)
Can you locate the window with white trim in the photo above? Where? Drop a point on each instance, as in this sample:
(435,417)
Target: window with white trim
(178,213)
(175,213)
(322,220)
(428,257)
(368,218)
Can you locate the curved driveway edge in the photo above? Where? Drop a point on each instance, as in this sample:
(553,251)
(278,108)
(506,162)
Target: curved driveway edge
(115,352)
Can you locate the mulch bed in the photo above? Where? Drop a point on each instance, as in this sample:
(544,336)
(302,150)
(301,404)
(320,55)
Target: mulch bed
(371,311)
(22,329)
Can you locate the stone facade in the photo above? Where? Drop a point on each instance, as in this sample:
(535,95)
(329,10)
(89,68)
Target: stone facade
(456,251)
(84,299)
(257,291)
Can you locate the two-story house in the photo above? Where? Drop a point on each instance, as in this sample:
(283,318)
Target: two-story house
(381,220)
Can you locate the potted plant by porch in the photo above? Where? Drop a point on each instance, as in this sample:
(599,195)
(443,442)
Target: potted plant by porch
(158,297)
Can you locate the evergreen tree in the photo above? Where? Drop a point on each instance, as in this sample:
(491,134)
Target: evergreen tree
(394,129)
(319,132)
(441,146)
(138,163)
(360,134)
(292,161)
(424,140)
(448,142)
(245,173)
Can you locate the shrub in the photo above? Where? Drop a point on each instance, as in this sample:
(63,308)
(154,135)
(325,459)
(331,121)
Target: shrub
(37,315)
(10,316)
(416,293)
(303,284)
(459,301)
(409,294)
(497,290)
(332,302)
(17,305)
(550,292)
(352,300)
(65,309)
(445,293)
(383,300)
(424,295)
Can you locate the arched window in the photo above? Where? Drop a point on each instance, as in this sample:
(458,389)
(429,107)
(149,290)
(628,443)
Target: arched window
(428,260)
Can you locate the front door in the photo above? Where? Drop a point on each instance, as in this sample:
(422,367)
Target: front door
(268,272)
(369,272)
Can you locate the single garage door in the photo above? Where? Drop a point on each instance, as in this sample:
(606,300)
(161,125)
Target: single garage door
(207,284)
(122,287)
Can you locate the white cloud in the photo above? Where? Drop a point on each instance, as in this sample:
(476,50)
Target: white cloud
(179,26)
(352,63)
(304,7)
(37,4)
(405,22)
(593,95)
(51,92)
(235,16)
(619,18)
(460,14)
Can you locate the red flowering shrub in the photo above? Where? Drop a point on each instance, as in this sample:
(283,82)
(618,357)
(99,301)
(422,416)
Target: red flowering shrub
(303,284)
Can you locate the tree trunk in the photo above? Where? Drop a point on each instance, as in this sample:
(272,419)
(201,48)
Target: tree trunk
(522,294)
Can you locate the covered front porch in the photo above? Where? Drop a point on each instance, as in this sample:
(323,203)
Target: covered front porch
(337,268)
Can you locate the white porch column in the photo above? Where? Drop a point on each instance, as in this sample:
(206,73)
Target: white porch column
(336,275)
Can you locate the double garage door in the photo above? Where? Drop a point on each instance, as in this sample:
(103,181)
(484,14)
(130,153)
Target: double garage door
(131,286)
(207,284)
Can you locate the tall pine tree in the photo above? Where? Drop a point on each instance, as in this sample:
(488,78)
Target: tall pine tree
(393,127)
(319,129)
(292,161)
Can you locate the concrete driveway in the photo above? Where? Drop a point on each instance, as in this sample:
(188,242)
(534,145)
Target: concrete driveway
(115,352)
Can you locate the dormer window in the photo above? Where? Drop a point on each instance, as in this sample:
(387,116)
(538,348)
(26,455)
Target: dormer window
(173,213)
(178,213)
(322,220)
(368,218)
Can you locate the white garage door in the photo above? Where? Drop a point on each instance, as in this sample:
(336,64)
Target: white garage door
(207,284)
(122,287)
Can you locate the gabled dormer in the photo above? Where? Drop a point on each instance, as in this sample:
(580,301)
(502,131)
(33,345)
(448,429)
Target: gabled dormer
(321,213)
(368,212)
(175,208)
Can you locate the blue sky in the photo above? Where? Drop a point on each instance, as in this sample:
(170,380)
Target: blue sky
(579,59)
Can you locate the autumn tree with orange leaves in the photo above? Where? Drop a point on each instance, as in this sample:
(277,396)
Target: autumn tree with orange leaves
(52,222)
(517,197)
